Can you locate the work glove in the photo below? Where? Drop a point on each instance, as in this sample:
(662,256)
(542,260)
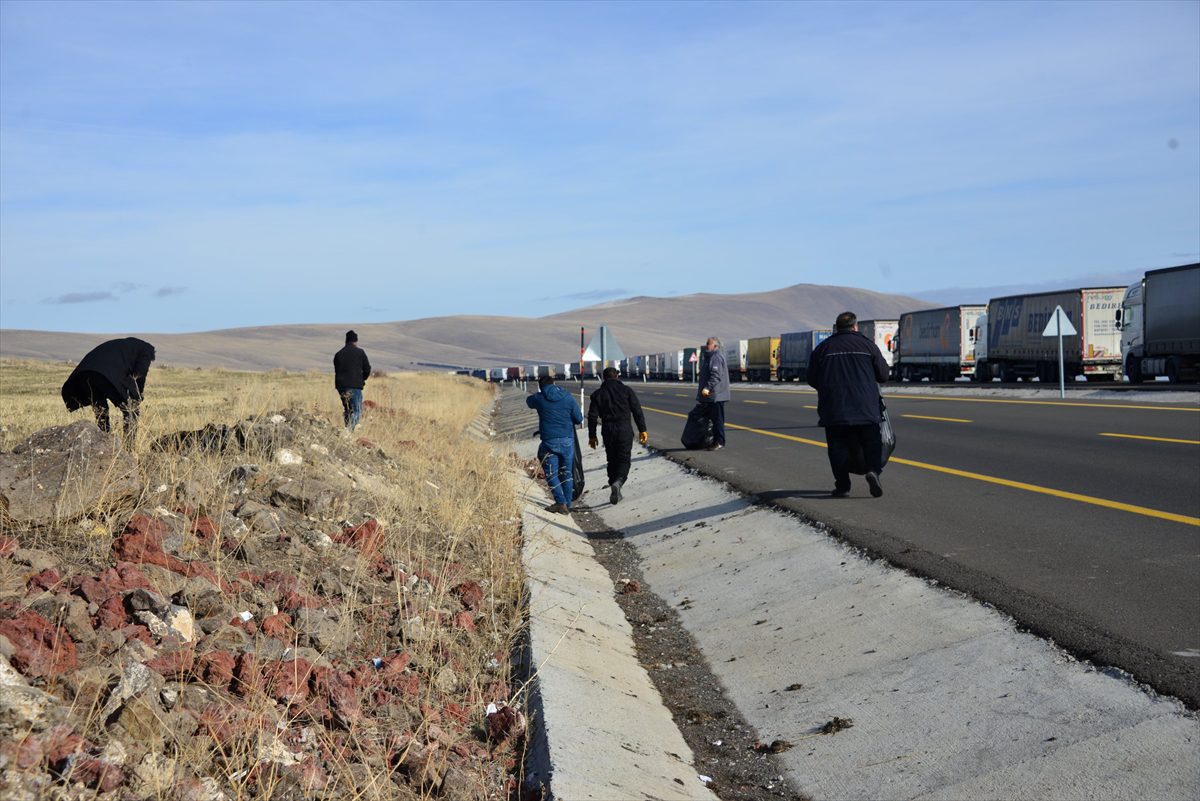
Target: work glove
(644,437)
(705,393)
(593,442)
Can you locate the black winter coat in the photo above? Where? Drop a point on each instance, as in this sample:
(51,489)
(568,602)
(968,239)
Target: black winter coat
(123,362)
(351,367)
(613,402)
(846,371)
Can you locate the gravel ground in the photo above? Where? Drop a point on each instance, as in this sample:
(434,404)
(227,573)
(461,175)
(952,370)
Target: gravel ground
(727,749)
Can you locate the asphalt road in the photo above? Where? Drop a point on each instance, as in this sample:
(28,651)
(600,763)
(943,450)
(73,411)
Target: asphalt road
(1079,518)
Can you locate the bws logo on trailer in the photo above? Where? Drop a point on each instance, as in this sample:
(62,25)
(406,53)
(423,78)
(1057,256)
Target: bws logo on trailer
(1006,316)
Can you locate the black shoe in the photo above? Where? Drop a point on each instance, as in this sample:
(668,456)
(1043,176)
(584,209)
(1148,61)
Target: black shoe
(838,492)
(559,508)
(614,497)
(873,483)
(714,447)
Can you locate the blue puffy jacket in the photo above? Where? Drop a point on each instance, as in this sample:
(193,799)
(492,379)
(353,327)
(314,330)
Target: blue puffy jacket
(558,413)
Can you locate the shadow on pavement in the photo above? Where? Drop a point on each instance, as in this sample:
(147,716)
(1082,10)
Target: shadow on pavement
(677,519)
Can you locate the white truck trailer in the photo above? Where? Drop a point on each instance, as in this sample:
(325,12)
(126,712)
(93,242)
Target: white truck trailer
(735,358)
(881,332)
(1011,344)
(936,344)
(1159,320)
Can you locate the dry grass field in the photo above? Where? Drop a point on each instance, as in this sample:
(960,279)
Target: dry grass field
(444,504)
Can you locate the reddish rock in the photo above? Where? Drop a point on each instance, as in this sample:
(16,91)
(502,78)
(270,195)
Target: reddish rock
(293,601)
(287,682)
(39,648)
(93,590)
(96,774)
(464,620)
(46,580)
(470,593)
(247,675)
(204,528)
(8,546)
(278,581)
(221,723)
(277,626)
(30,753)
(112,614)
(215,668)
(336,689)
(459,713)
(61,742)
(363,442)
(175,663)
(367,537)
(631,587)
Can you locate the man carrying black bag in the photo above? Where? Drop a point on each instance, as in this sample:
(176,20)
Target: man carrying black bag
(846,371)
(611,405)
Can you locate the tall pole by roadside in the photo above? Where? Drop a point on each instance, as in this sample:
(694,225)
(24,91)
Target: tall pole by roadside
(1062,378)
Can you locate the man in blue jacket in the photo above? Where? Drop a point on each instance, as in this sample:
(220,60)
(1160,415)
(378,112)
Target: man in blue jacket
(558,414)
(846,371)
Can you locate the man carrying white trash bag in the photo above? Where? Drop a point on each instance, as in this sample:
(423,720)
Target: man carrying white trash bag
(846,371)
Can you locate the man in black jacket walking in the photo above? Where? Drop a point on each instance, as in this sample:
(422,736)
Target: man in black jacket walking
(113,371)
(846,371)
(351,369)
(612,404)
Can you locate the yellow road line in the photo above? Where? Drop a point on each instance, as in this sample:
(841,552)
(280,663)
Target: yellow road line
(1154,439)
(942,419)
(761,403)
(810,407)
(1004,482)
(1019,401)
(681,395)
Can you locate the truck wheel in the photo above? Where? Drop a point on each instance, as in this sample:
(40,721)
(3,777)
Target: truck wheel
(982,374)
(1006,373)
(1172,370)
(1133,369)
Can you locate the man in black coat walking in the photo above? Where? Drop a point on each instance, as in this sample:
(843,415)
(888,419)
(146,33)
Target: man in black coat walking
(846,371)
(351,369)
(112,372)
(612,404)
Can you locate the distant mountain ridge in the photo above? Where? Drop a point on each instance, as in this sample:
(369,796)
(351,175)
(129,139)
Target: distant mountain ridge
(640,325)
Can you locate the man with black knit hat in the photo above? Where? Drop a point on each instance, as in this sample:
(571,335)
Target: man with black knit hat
(351,368)
(112,372)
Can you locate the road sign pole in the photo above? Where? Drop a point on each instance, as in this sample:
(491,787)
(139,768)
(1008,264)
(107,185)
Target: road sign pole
(1062,378)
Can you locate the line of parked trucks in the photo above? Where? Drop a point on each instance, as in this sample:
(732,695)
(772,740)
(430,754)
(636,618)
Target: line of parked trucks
(1148,329)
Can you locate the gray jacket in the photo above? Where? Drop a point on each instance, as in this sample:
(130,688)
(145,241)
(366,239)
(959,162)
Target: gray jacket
(714,376)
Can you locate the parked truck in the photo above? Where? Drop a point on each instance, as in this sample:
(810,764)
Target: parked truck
(1010,344)
(1159,320)
(936,344)
(795,350)
(881,332)
(762,358)
(735,358)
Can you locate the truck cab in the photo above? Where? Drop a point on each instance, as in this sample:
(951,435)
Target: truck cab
(979,340)
(1129,321)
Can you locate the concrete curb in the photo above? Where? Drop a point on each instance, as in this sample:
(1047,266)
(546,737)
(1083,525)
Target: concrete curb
(603,731)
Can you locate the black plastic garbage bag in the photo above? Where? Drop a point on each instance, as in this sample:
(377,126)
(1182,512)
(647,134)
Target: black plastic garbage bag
(698,430)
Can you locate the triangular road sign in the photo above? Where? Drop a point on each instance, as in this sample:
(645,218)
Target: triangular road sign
(1052,326)
(603,348)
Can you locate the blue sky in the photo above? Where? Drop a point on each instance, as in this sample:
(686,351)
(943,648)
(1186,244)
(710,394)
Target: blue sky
(192,166)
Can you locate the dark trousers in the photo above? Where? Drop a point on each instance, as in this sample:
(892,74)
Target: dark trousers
(618,443)
(715,411)
(92,389)
(852,448)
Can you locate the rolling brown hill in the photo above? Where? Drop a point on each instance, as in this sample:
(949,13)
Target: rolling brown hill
(640,325)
